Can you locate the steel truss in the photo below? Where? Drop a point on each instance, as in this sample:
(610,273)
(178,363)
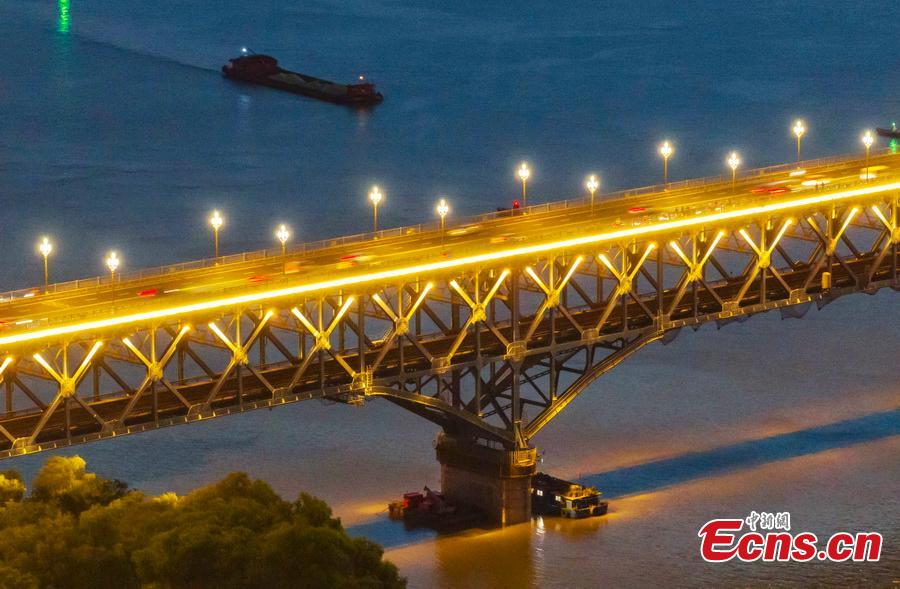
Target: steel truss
(493,352)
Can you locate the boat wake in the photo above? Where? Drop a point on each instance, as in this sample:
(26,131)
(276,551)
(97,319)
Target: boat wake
(137,38)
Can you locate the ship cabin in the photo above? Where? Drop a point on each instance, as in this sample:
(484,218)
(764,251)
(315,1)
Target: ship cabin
(553,496)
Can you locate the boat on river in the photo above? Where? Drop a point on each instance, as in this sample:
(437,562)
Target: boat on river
(261,69)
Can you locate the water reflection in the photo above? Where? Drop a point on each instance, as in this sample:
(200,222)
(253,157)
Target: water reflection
(655,475)
(575,530)
(362,119)
(63,21)
(503,558)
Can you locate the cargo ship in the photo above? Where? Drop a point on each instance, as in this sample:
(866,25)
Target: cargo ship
(553,496)
(892,133)
(264,69)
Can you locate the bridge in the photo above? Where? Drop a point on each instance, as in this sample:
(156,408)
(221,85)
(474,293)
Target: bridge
(489,328)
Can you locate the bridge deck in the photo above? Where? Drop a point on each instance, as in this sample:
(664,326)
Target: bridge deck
(490,329)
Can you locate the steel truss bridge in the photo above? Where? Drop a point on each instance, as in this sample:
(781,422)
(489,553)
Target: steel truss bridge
(489,329)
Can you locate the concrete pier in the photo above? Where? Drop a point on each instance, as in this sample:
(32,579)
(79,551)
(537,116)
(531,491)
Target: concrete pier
(495,480)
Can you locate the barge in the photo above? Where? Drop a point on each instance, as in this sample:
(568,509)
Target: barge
(556,497)
(892,133)
(264,70)
(430,509)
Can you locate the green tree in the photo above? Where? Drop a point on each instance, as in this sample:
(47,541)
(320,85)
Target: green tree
(64,479)
(11,486)
(80,531)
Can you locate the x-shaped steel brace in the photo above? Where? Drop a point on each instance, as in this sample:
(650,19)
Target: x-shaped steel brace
(625,278)
(893,237)
(892,226)
(694,271)
(401,321)
(477,312)
(829,244)
(763,260)
(552,292)
(155,369)
(67,387)
(7,362)
(322,336)
(239,351)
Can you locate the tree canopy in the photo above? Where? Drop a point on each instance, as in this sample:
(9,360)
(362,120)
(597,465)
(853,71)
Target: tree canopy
(76,530)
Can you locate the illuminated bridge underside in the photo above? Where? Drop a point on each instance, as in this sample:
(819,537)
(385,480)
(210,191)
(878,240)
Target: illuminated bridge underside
(493,352)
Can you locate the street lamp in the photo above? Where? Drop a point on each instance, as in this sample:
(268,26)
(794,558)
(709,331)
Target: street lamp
(216,221)
(376,197)
(524,174)
(868,139)
(283,234)
(666,150)
(46,248)
(112,262)
(733,162)
(592,184)
(442,209)
(799,130)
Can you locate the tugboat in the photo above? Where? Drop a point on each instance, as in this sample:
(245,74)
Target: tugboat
(430,509)
(264,69)
(553,496)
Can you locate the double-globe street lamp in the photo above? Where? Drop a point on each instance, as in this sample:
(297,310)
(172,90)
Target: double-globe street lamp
(592,184)
(375,196)
(216,220)
(442,209)
(666,150)
(45,247)
(524,174)
(733,162)
(868,139)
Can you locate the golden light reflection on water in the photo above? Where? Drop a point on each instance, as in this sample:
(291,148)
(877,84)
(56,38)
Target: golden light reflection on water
(352,513)
(768,425)
(650,539)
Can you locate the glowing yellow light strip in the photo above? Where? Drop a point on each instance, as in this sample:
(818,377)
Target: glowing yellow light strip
(50,370)
(492,256)
(6,362)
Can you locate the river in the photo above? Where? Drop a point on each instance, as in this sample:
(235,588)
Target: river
(118,132)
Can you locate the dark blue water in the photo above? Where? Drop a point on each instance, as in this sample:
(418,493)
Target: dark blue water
(117,131)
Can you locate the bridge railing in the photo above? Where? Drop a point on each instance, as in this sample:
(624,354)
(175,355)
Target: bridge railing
(309,247)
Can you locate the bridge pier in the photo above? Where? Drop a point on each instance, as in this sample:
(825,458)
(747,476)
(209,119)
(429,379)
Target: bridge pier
(496,481)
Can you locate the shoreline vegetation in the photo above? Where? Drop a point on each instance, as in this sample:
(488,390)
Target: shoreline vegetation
(73,529)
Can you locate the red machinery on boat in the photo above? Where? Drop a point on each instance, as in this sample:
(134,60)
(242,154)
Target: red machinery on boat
(264,70)
(430,509)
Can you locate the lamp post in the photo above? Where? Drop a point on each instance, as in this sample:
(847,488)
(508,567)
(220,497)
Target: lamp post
(799,130)
(376,197)
(592,184)
(283,235)
(46,248)
(666,150)
(524,173)
(442,209)
(112,262)
(733,162)
(868,139)
(216,221)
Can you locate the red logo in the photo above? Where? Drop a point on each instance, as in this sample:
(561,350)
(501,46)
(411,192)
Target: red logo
(720,542)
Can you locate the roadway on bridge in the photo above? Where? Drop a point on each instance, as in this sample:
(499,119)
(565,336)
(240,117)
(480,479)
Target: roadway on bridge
(26,315)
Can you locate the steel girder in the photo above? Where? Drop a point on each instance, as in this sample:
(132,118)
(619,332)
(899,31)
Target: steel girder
(493,351)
